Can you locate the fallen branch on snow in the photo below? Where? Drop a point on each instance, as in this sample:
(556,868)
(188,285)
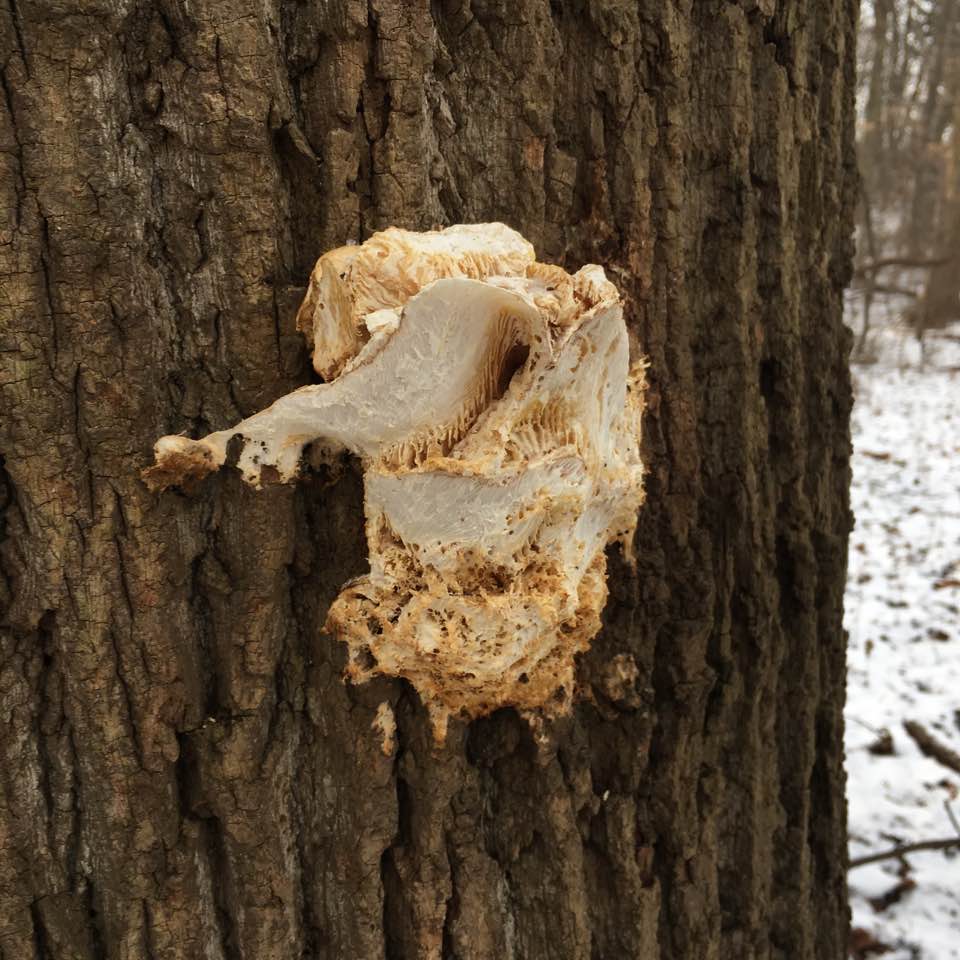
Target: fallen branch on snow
(903,849)
(931,747)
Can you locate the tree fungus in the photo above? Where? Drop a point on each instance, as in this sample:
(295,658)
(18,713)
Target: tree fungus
(493,403)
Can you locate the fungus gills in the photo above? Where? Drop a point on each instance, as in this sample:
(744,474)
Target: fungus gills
(493,403)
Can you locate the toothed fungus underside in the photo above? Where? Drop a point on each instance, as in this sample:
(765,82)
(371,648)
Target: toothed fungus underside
(493,404)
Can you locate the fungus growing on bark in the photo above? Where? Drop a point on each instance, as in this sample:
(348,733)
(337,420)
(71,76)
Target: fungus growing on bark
(493,404)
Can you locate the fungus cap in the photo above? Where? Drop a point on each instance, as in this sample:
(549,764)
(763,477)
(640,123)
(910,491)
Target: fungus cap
(497,415)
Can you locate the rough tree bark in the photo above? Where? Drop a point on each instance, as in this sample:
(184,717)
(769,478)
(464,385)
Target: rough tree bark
(183,773)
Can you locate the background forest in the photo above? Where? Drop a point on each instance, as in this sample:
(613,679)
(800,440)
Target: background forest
(909,214)
(903,712)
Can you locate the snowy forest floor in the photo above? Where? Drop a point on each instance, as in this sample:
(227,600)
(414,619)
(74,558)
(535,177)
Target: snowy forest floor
(903,617)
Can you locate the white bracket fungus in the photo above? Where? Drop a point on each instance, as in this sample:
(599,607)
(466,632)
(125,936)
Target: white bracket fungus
(493,404)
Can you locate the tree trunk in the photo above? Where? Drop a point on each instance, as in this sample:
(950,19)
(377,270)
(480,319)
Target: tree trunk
(926,153)
(939,303)
(183,773)
(874,140)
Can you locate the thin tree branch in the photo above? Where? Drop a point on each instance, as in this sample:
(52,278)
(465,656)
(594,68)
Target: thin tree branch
(882,289)
(903,849)
(908,263)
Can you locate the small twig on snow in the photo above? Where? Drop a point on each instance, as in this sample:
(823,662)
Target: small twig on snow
(876,731)
(952,816)
(903,849)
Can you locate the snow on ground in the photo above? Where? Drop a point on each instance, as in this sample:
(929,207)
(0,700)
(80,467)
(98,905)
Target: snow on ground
(903,617)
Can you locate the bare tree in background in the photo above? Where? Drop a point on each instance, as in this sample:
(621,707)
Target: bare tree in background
(909,152)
